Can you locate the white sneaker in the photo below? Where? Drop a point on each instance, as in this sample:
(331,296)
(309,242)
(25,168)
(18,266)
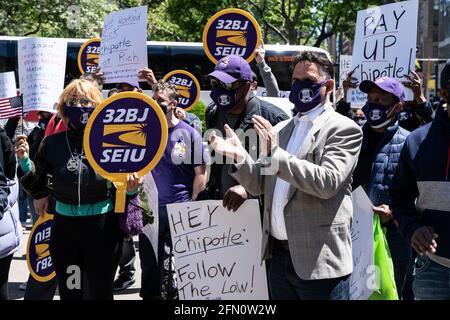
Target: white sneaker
(23,286)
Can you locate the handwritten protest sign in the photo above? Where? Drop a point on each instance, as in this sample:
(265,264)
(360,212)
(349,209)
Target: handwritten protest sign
(217,252)
(385,44)
(345,66)
(123,49)
(362,279)
(7,85)
(42,66)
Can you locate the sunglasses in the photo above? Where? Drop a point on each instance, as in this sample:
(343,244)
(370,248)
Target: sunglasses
(82,102)
(227,86)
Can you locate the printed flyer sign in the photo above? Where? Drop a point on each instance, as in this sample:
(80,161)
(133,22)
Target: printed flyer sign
(7,85)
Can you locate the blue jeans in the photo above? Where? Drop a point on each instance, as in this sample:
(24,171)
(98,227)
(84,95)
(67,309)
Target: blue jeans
(431,281)
(34,215)
(23,205)
(285,284)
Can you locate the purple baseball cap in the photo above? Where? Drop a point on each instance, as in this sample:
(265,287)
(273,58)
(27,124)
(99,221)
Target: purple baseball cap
(232,68)
(387,84)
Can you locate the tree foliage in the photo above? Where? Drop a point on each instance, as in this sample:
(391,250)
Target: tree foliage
(308,22)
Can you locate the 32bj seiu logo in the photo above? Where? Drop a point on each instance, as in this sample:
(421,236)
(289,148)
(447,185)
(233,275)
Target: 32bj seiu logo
(231,31)
(92,59)
(38,252)
(187,86)
(88,56)
(123,142)
(231,38)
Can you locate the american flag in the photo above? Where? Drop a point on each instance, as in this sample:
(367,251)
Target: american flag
(11,107)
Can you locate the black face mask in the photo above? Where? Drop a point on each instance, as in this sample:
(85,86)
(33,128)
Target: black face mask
(43,123)
(164,107)
(78,116)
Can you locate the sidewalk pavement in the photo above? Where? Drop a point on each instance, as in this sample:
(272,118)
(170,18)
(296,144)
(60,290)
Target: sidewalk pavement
(18,274)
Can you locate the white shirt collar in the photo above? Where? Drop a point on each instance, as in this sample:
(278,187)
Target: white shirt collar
(311,115)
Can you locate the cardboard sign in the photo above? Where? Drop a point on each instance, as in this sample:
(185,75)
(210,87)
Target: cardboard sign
(385,44)
(123,50)
(362,279)
(126,133)
(231,31)
(88,56)
(7,85)
(188,87)
(217,252)
(39,260)
(42,67)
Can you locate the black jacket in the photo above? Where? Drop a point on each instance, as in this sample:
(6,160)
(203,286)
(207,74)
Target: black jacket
(420,190)
(7,169)
(255,106)
(81,186)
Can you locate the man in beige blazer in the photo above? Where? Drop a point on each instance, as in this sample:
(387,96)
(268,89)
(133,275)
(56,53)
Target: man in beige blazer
(305,173)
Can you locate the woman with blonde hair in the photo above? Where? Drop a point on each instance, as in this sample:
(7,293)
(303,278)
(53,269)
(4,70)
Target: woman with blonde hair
(86,238)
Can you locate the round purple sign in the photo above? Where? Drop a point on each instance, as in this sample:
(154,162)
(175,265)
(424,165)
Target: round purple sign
(126,133)
(39,259)
(231,31)
(188,87)
(88,56)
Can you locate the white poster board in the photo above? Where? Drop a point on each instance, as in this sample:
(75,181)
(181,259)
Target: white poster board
(151,231)
(217,252)
(42,67)
(345,66)
(123,50)
(362,279)
(8,87)
(385,44)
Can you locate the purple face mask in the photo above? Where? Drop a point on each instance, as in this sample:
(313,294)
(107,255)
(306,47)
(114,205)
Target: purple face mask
(78,116)
(224,99)
(306,95)
(377,115)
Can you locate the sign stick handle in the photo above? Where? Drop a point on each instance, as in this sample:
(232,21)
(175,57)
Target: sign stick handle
(23,121)
(121,195)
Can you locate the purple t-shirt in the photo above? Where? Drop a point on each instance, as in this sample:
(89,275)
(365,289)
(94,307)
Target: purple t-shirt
(174,174)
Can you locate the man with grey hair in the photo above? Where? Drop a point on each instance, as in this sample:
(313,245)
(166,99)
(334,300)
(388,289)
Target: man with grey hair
(305,172)
(180,176)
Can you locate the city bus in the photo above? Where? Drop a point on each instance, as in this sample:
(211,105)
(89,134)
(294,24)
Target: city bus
(164,57)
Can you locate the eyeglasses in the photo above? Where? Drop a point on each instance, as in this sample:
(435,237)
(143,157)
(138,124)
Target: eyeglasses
(227,86)
(82,102)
